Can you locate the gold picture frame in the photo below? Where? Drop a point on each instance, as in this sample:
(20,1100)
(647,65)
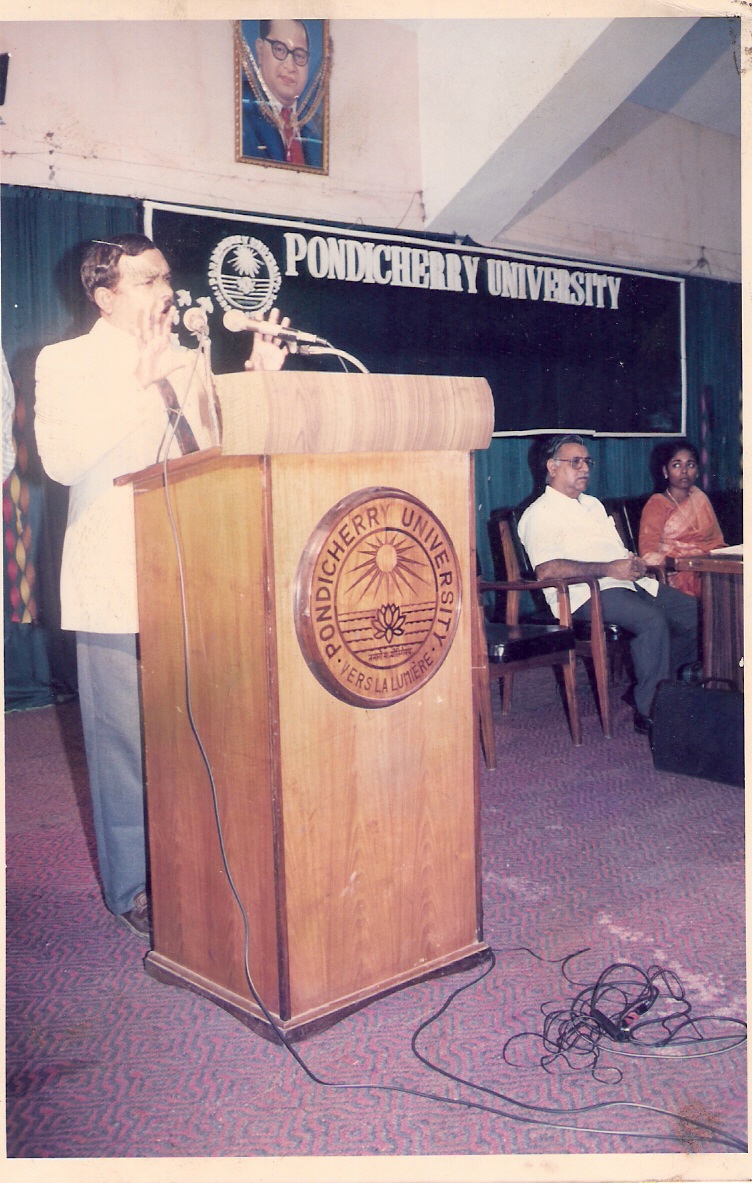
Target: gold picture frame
(282,70)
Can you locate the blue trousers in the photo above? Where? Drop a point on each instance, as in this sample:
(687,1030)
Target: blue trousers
(111,715)
(664,633)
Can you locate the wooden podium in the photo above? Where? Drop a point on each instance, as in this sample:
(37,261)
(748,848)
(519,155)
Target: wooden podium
(327,558)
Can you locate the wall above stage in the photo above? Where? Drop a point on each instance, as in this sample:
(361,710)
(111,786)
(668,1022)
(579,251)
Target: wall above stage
(146,109)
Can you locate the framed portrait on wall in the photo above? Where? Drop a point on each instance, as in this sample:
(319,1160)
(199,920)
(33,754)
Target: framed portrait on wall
(282,93)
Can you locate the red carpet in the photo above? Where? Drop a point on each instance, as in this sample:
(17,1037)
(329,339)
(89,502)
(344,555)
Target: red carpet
(582,848)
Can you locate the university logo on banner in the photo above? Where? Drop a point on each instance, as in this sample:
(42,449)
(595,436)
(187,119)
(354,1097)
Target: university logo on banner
(243,273)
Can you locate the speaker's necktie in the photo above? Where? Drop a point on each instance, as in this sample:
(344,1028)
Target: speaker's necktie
(183,434)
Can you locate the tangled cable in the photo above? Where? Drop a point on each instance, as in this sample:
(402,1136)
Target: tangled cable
(626,1005)
(576,1036)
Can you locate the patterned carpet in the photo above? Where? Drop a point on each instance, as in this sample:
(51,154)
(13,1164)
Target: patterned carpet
(584,848)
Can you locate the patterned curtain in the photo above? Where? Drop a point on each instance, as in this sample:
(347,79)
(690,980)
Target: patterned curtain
(43,231)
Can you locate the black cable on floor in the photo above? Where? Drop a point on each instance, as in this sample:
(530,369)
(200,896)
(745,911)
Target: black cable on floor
(569,1033)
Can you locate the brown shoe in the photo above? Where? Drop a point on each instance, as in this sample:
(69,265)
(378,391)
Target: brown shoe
(138,918)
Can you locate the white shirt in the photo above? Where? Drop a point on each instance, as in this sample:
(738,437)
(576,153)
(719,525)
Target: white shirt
(577,528)
(95,422)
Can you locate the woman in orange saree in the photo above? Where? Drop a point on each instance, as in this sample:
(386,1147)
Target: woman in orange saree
(680,521)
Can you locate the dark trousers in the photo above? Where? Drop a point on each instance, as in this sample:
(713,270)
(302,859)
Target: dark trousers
(664,633)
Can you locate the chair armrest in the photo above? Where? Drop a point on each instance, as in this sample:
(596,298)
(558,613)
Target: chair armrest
(516,584)
(565,608)
(657,573)
(561,585)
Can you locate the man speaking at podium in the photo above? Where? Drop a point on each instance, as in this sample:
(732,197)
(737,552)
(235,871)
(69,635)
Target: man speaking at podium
(114,401)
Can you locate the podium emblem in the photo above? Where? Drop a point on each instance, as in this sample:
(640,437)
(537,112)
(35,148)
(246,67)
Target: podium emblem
(377,597)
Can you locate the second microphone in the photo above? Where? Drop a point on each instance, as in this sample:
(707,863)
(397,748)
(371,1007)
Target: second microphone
(236,321)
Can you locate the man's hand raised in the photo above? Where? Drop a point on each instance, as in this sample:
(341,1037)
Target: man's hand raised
(156,359)
(268,352)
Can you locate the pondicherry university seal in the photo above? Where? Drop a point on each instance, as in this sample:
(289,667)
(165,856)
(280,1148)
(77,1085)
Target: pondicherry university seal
(377,597)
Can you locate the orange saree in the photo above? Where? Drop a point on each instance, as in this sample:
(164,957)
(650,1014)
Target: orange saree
(668,529)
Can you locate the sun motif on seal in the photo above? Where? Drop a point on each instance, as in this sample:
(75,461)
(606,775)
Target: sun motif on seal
(391,566)
(246,261)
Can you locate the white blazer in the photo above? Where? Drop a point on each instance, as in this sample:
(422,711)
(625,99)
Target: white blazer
(95,422)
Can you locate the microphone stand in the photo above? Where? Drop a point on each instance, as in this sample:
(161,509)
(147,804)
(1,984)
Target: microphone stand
(204,348)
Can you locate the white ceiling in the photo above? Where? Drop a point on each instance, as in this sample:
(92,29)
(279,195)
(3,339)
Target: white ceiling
(699,79)
(686,67)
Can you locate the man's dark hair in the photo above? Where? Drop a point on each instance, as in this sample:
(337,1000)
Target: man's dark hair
(99,266)
(265,26)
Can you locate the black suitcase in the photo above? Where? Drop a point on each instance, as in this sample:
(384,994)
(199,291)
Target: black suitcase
(699,730)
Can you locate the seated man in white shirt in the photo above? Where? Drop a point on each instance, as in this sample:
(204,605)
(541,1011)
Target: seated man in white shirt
(567,533)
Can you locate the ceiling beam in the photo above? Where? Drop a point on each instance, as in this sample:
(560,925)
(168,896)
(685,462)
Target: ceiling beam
(576,104)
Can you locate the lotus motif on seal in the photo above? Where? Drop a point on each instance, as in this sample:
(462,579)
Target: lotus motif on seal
(388,623)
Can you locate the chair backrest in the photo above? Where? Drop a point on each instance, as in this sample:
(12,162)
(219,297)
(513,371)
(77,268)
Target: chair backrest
(516,560)
(632,508)
(518,566)
(618,510)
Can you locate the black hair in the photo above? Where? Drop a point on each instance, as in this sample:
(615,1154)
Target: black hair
(99,266)
(664,453)
(680,445)
(265,26)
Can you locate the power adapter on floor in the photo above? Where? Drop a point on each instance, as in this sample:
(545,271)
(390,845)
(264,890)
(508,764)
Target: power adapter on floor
(618,1034)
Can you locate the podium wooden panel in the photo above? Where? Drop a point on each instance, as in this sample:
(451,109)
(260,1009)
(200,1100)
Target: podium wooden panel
(722,577)
(350,832)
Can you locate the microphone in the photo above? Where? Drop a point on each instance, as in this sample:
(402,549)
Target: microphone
(236,321)
(196,322)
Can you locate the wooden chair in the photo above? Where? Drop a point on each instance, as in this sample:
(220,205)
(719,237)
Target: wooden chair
(624,520)
(501,650)
(593,638)
(625,513)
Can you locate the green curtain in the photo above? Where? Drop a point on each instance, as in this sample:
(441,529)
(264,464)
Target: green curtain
(42,233)
(714,377)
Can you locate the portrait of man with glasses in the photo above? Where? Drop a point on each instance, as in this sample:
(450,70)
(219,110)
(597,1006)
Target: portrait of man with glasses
(282,77)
